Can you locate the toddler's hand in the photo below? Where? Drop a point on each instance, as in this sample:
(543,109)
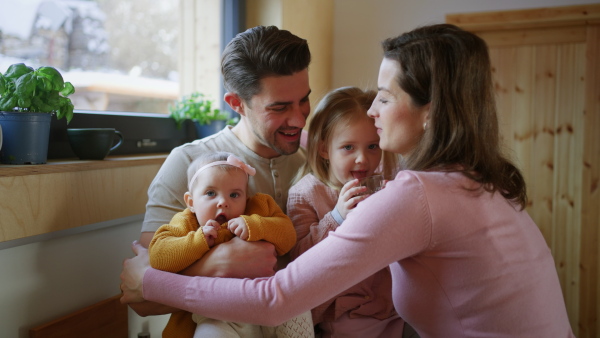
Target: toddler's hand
(210,232)
(238,227)
(349,197)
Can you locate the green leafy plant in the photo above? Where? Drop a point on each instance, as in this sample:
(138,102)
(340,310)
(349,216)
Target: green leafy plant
(42,90)
(197,107)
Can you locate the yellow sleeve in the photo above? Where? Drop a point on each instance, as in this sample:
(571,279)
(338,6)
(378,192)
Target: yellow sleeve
(223,234)
(266,221)
(177,245)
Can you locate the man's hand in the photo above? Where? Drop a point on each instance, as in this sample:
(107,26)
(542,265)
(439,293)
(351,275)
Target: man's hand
(236,259)
(147,308)
(132,275)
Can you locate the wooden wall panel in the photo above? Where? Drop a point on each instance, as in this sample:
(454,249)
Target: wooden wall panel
(502,58)
(569,136)
(522,91)
(107,318)
(534,36)
(590,230)
(540,92)
(547,78)
(36,200)
(541,187)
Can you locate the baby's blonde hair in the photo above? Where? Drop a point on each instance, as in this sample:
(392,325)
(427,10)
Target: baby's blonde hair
(340,106)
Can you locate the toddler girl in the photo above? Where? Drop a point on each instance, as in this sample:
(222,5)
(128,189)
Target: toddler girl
(343,147)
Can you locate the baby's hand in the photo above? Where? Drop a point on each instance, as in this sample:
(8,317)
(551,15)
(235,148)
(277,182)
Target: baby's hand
(238,227)
(210,232)
(350,195)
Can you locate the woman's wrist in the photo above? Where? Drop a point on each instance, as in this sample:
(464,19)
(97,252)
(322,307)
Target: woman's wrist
(164,287)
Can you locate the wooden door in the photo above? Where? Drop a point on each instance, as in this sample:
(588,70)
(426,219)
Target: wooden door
(546,65)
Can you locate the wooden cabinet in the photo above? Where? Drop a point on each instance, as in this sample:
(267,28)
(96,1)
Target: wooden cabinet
(37,200)
(546,65)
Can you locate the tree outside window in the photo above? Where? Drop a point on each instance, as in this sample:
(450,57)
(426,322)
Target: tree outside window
(119,55)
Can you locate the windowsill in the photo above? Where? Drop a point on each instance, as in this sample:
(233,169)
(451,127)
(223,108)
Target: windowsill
(72,165)
(66,194)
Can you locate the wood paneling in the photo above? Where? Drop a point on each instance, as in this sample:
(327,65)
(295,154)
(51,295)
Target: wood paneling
(534,36)
(107,318)
(57,196)
(527,18)
(547,78)
(589,306)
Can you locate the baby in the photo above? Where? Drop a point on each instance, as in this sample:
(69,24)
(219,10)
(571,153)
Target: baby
(218,208)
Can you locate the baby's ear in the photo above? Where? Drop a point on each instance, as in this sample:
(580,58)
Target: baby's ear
(189,201)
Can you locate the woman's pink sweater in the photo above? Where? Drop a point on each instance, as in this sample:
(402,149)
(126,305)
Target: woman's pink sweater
(464,263)
(310,203)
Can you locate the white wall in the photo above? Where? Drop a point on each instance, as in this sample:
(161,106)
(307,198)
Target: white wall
(45,280)
(361,25)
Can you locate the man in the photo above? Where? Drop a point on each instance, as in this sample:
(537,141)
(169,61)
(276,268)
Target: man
(265,72)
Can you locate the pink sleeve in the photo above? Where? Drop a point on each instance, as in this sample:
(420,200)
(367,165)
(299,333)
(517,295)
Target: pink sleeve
(302,210)
(373,236)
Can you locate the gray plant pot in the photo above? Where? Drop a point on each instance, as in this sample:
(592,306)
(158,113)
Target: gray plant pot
(25,137)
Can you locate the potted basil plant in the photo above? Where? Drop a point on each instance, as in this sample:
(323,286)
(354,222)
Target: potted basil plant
(199,109)
(28,98)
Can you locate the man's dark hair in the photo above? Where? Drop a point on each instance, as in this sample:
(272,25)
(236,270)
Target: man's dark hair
(259,52)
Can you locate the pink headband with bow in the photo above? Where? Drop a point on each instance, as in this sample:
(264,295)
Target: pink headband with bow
(231,161)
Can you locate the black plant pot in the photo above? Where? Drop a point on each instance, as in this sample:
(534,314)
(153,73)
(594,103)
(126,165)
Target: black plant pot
(25,137)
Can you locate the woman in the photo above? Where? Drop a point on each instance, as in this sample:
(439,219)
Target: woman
(466,259)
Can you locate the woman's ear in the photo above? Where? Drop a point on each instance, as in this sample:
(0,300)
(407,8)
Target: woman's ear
(189,201)
(235,102)
(425,114)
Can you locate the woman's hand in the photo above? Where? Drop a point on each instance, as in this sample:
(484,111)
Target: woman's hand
(132,276)
(350,195)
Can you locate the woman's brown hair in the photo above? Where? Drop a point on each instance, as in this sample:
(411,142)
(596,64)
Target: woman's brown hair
(450,68)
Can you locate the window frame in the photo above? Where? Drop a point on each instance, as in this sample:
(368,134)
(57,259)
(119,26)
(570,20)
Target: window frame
(145,133)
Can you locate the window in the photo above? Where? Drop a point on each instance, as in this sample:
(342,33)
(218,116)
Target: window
(128,60)
(119,55)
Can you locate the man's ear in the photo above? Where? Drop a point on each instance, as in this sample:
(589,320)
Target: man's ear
(189,201)
(235,102)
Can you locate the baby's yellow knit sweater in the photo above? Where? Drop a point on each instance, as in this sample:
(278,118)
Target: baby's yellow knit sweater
(178,244)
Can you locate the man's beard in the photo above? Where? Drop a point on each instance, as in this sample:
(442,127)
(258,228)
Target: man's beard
(287,148)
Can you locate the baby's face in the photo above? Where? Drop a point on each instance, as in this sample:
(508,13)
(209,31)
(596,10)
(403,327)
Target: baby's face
(219,194)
